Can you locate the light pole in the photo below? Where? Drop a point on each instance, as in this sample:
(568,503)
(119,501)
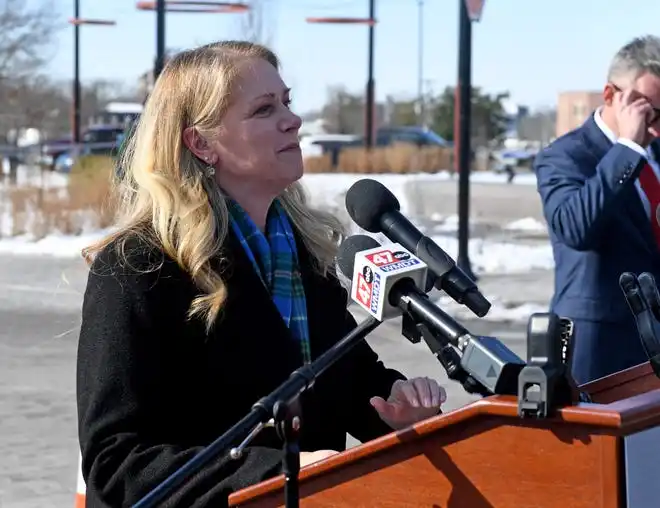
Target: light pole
(420,63)
(468,11)
(371,86)
(370,98)
(160,38)
(182,6)
(76,21)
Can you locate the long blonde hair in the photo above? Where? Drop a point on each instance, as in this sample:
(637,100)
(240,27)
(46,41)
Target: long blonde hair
(164,196)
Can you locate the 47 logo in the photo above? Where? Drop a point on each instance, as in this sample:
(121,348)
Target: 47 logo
(365,279)
(387,257)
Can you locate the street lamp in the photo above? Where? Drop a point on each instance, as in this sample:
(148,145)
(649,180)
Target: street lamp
(421,111)
(370,93)
(76,21)
(182,6)
(468,11)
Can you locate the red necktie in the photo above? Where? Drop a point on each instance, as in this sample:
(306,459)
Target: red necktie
(651,187)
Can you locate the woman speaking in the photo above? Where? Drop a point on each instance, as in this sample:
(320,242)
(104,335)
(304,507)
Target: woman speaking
(215,285)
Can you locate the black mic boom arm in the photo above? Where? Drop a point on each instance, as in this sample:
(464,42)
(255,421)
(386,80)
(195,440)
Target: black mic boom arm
(483,365)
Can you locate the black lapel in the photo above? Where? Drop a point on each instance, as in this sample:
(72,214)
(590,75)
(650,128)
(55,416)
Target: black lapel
(254,298)
(322,297)
(325,302)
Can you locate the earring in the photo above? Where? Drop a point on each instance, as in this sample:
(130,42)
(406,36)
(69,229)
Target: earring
(209,170)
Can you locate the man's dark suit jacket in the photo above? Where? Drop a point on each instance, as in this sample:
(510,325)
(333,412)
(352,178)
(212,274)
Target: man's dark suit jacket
(598,229)
(153,388)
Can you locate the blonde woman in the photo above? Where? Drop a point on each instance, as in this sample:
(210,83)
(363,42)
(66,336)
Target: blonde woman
(216,285)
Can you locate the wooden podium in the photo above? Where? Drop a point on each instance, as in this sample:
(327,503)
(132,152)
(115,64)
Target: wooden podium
(590,455)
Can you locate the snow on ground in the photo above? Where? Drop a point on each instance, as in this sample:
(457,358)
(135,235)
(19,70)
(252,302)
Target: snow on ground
(500,257)
(56,245)
(527,224)
(500,310)
(328,191)
(36,178)
(486,256)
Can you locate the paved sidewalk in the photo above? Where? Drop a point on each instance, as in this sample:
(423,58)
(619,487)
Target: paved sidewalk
(534,287)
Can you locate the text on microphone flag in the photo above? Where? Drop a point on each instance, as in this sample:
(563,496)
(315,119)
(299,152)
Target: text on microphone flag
(376,270)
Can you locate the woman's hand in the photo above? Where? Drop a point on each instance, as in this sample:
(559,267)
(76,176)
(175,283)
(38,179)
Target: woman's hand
(307,458)
(410,401)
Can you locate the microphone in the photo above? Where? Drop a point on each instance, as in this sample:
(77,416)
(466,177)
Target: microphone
(643,299)
(374,270)
(374,208)
(650,291)
(483,364)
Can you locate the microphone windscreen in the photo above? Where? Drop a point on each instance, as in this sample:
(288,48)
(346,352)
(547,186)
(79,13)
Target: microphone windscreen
(627,281)
(649,289)
(366,202)
(349,248)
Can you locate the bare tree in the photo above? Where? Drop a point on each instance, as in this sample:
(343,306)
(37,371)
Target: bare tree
(38,102)
(33,101)
(257,24)
(539,126)
(343,112)
(26,32)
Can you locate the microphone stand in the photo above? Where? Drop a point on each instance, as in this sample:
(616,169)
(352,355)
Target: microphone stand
(288,427)
(279,409)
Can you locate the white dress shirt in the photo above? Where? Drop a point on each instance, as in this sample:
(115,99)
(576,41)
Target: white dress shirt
(631,144)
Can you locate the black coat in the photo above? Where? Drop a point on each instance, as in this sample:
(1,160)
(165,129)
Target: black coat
(153,389)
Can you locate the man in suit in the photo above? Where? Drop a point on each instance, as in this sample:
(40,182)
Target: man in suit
(600,190)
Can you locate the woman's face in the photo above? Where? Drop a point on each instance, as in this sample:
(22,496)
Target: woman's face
(256,144)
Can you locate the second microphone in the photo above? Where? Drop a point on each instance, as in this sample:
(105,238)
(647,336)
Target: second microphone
(374,208)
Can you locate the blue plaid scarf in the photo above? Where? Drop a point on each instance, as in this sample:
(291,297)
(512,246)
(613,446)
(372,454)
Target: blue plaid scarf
(275,259)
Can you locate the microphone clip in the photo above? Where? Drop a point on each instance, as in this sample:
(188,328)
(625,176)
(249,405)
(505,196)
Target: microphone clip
(286,421)
(415,330)
(545,382)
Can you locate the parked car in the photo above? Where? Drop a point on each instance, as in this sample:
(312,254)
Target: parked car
(317,145)
(418,136)
(98,139)
(63,162)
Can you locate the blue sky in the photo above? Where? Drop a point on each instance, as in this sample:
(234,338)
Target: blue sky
(532,48)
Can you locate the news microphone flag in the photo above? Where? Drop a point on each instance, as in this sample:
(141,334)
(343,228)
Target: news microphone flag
(375,272)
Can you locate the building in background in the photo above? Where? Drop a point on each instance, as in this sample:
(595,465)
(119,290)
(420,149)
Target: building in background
(573,108)
(120,114)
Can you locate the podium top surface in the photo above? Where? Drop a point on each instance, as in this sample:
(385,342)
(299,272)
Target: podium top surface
(622,385)
(619,418)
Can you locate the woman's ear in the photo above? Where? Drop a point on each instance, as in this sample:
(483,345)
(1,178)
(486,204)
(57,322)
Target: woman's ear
(197,144)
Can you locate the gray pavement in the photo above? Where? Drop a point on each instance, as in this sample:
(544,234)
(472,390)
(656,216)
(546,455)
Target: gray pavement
(40,300)
(492,202)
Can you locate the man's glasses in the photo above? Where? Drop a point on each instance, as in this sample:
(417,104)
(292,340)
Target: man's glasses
(656,111)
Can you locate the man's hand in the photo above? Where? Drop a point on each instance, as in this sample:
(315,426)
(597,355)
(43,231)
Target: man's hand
(633,114)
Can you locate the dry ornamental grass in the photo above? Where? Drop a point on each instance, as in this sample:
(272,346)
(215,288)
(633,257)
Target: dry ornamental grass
(83,204)
(397,159)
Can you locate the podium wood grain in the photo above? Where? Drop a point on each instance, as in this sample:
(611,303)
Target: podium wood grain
(627,383)
(479,456)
